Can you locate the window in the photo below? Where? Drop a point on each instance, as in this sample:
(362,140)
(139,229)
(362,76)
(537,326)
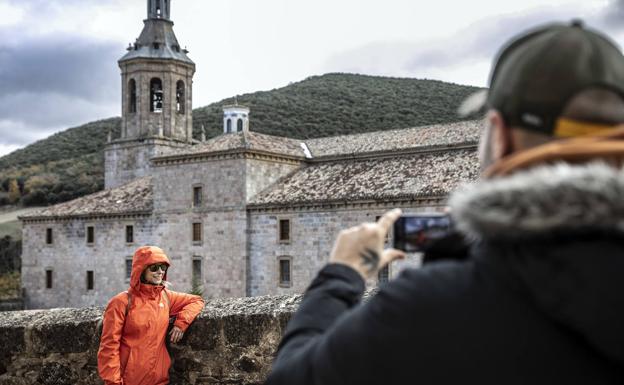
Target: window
(156,95)
(90,234)
(239,125)
(383,275)
(128,268)
(284,230)
(228,126)
(132,96)
(285,272)
(90,283)
(197,270)
(49,279)
(49,238)
(129,234)
(197,232)
(180,97)
(197,196)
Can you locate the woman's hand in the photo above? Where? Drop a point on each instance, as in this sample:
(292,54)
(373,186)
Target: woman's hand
(361,247)
(176,334)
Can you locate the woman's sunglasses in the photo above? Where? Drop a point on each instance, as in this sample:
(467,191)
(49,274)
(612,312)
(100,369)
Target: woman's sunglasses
(155,267)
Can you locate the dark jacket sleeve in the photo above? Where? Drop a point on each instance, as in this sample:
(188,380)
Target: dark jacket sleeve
(335,339)
(304,355)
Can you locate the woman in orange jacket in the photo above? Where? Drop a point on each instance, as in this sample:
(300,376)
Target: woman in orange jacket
(132,347)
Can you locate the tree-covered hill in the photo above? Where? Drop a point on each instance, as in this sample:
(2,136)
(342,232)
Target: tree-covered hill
(336,104)
(69,164)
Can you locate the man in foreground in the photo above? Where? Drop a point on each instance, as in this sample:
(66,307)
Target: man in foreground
(540,298)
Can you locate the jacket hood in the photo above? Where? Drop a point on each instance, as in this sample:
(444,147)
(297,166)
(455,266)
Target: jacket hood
(142,258)
(561,198)
(559,229)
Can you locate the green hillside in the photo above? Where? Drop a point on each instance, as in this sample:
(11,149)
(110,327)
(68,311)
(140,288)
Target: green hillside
(69,164)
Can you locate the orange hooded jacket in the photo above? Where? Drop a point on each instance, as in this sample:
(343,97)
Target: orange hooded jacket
(132,347)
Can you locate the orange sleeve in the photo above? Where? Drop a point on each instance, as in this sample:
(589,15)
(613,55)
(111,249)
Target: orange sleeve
(109,366)
(185,307)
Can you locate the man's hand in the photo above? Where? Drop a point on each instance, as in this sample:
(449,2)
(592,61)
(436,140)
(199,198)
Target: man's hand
(176,334)
(361,247)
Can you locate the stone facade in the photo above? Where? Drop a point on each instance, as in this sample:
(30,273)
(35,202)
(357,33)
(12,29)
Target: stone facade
(69,257)
(127,160)
(312,235)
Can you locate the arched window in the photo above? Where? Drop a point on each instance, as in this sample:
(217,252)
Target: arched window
(156,95)
(166,8)
(239,125)
(180,97)
(132,96)
(228,126)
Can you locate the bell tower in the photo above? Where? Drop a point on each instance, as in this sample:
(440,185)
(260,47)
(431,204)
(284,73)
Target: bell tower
(156,108)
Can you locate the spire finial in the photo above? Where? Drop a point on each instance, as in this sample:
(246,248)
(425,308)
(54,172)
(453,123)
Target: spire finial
(158,9)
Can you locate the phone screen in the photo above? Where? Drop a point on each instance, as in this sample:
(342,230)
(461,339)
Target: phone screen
(414,232)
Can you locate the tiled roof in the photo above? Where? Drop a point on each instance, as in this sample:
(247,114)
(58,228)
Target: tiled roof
(250,141)
(392,140)
(430,174)
(378,141)
(132,198)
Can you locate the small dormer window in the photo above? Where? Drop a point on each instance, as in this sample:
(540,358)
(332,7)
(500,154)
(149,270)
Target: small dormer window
(156,46)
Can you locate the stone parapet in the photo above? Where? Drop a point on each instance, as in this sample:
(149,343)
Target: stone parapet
(11,304)
(231,342)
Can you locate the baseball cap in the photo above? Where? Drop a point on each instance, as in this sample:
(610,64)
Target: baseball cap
(539,72)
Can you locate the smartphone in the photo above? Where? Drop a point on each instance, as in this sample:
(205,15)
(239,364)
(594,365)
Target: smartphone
(412,233)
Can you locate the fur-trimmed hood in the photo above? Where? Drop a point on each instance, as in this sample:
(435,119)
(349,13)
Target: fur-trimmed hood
(559,198)
(559,231)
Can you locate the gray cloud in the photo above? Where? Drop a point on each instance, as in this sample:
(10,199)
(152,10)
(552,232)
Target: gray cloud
(55,82)
(612,16)
(483,40)
(480,41)
(61,64)
(45,6)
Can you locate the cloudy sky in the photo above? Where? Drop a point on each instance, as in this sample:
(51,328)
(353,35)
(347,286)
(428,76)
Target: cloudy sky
(58,57)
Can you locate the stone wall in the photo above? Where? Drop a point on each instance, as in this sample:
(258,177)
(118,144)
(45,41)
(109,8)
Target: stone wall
(261,174)
(126,160)
(222,249)
(69,257)
(231,342)
(313,233)
(11,304)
